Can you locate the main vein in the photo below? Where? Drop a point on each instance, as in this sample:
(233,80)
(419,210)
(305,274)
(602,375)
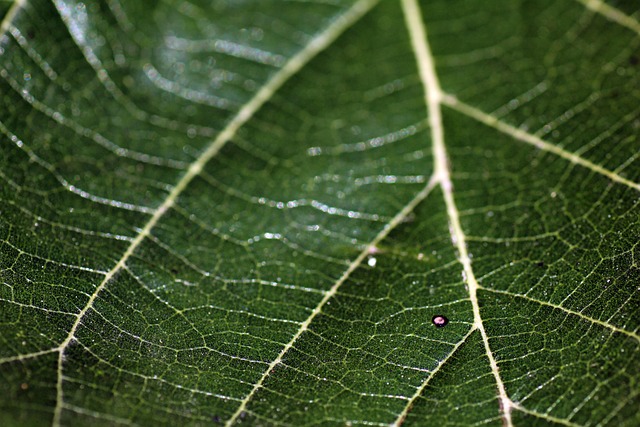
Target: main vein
(433,99)
(291,67)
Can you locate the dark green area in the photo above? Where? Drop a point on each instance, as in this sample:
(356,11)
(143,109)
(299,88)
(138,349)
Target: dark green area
(267,254)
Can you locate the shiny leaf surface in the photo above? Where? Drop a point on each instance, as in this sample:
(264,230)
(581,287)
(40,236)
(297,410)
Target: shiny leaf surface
(319,213)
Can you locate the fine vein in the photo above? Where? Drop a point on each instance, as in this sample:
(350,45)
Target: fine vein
(398,219)
(433,99)
(291,67)
(528,138)
(403,415)
(21,357)
(546,417)
(602,323)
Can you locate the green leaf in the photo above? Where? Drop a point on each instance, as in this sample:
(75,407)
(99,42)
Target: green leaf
(250,212)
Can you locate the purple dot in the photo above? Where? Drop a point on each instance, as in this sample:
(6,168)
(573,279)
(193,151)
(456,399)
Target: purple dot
(440,321)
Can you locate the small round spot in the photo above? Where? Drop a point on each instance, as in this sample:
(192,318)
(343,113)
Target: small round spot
(439,321)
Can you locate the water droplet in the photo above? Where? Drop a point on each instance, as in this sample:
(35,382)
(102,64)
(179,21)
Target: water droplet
(314,151)
(440,321)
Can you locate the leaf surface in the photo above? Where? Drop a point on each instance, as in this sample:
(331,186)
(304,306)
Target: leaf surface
(251,212)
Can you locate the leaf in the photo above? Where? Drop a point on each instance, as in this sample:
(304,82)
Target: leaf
(251,212)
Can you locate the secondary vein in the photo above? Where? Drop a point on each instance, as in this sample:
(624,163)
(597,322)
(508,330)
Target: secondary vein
(612,13)
(11,15)
(528,138)
(395,221)
(291,67)
(403,415)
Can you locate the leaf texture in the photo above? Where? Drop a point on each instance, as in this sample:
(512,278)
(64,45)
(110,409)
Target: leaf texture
(249,213)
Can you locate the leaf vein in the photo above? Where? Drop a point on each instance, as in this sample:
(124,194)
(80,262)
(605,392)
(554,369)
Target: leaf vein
(602,323)
(520,135)
(403,415)
(612,14)
(433,100)
(263,95)
(355,264)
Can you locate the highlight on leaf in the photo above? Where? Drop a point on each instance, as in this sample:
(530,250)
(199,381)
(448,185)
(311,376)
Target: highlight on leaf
(349,212)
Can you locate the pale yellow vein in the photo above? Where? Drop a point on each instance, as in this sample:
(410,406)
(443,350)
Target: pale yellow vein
(612,14)
(602,323)
(398,422)
(11,15)
(433,98)
(293,65)
(547,417)
(27,356)
(520,135)
(395,221)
